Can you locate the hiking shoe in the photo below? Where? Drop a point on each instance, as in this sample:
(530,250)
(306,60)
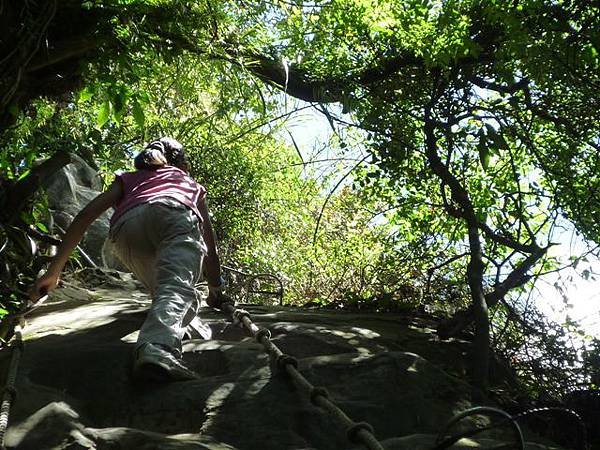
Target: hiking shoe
(153,363)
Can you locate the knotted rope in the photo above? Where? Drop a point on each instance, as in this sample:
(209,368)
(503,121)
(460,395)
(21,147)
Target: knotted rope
(9,393)
(357,432)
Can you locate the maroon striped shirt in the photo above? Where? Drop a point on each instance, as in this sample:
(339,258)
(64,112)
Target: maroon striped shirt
(144,186)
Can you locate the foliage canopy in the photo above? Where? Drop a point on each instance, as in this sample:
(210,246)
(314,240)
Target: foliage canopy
(479,120)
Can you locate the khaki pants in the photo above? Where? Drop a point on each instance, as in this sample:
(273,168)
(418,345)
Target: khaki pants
(161,243)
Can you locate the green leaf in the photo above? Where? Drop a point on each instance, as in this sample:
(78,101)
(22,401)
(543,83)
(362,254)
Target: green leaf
(138,114)
(103,114)
(118,102)
(86,94)
(484,153)
(24,174)
(42,227)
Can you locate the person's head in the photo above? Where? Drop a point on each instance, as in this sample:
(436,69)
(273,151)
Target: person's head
(162,152)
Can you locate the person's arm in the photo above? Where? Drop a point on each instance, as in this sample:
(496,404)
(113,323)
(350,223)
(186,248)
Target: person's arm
(212,264)
(73,236)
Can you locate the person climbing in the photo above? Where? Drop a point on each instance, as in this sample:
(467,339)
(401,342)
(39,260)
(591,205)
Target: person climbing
(161,231)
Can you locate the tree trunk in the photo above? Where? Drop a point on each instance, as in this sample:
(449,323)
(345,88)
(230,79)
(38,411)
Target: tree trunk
(475,268)
(481,343)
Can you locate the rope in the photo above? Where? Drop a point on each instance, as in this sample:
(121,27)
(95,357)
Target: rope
(10,393)
(357,432)
(362,432)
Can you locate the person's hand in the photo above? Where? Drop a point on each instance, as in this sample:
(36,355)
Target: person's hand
(217,299)
(218,287)
(42,286)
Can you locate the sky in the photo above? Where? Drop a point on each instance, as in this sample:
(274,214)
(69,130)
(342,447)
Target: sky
(311,130)
(583,294)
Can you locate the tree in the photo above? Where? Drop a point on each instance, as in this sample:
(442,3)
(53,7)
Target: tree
(486,109)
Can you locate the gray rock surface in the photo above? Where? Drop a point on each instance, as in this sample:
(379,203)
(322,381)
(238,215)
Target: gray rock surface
(75,392)
(68,192)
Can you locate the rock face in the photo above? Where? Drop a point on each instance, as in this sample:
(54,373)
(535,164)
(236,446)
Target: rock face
(75,392)
(68,192)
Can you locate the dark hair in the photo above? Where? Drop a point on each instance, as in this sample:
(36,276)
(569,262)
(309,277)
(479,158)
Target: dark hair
(162,152)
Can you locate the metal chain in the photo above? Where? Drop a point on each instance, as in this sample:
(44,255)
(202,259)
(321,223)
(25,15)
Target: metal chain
(580,444)
(357,432)
(448,442)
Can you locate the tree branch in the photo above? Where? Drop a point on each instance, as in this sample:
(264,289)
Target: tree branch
(518,277)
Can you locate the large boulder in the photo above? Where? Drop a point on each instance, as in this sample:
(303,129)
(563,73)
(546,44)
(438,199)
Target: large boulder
(75,392)
(69,191)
